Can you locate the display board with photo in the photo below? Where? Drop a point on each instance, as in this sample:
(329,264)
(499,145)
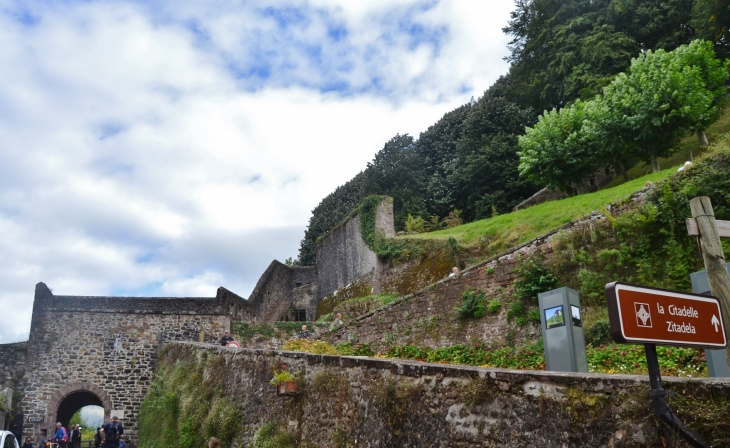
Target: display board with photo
(554,317)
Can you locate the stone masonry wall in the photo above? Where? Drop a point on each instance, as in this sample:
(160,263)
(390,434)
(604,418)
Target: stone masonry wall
(427,317)
(343,257)
(272,296)
(107,346)
(368,402)
(12,361)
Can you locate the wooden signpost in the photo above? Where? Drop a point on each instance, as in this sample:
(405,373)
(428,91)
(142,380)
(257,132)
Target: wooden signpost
(651,316)
(708,232)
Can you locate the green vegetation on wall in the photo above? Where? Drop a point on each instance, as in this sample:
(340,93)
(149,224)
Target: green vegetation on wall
(185,404)
(649,245)
(385,248)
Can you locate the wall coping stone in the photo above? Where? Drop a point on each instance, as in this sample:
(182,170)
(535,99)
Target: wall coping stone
(411,368)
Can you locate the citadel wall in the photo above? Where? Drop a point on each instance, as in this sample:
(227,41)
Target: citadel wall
(104,349)
(355,401)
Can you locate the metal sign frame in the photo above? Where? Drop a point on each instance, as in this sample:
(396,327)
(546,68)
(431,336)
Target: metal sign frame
(616,317)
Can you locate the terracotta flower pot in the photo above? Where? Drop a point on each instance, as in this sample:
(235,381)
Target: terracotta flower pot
(287,388)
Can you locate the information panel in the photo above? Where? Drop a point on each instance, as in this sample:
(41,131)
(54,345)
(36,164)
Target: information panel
(642,315)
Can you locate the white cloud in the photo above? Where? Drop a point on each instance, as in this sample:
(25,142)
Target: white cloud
(136,159)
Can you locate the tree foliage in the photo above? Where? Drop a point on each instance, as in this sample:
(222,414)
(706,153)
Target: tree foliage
(561,51)
(664,96)
(567,49)
(642,114)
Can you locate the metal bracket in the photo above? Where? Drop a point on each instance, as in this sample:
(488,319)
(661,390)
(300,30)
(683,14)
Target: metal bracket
(662,409)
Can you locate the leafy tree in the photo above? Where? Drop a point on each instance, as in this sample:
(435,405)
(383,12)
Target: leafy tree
(567,49)
(661,99)
(714,73)
(485,177)
(560,150)
(711,21)
(396,171)
(436,147)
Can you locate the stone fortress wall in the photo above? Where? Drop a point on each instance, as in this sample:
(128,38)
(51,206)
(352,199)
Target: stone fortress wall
(357,401)
(103,350)
(343,259)
(427,318)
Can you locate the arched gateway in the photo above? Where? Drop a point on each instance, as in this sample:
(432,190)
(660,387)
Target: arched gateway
(102,351)
(72,397)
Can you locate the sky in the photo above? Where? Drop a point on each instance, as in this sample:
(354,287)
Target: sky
(168,148)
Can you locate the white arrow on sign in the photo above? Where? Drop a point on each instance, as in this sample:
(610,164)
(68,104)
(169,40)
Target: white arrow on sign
(715,322)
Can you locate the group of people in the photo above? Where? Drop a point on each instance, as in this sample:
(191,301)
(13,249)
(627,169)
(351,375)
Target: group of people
(111,435)
(70,438)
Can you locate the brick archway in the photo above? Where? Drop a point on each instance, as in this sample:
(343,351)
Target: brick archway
(85,393)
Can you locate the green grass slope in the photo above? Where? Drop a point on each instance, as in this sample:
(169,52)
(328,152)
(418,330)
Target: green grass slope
(493,235)
(523,225)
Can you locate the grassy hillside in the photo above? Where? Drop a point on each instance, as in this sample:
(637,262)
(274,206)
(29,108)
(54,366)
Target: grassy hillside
(517,227)
(492,235)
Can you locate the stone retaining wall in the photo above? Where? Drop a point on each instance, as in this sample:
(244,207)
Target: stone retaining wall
(427,317)
(106,346)
(355,401)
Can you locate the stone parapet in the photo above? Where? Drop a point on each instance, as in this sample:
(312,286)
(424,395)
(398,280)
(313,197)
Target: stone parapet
(388,402)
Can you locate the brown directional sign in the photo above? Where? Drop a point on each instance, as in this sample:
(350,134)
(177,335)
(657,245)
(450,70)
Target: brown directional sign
(642,315)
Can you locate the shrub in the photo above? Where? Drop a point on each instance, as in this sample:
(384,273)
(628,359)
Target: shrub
(598,334)
(534,316)
(517,312)
(271,436)
(415,225)
(535,279)
(350,349)
(494,306)
(472,305)
(309,346)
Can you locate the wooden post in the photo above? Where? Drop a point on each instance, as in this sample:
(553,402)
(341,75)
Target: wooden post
(714,258)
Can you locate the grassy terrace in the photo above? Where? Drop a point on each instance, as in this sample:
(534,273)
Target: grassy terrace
(499,233)
(524,225)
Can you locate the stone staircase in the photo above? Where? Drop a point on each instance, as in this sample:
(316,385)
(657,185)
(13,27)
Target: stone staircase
(276,312)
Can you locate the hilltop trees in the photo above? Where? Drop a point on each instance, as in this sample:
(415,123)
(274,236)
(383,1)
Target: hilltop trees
(561,51)
(664,96)
(567,49)
(642,115)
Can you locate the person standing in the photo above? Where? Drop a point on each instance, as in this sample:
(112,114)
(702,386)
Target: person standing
(61,436)
(71,436)
(77,436)
(28,443)
(226,338)
(99,438)
(304,334)
(113,432)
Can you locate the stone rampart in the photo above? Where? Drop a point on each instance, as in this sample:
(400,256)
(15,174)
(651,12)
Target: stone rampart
(343,257)
(356,401)
(12,361)
(427,317)
(272,296)
(103,350)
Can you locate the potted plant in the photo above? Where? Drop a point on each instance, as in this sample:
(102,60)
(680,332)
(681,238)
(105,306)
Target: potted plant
(285,382)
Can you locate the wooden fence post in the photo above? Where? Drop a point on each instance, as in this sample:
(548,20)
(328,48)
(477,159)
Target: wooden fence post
(714,258)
